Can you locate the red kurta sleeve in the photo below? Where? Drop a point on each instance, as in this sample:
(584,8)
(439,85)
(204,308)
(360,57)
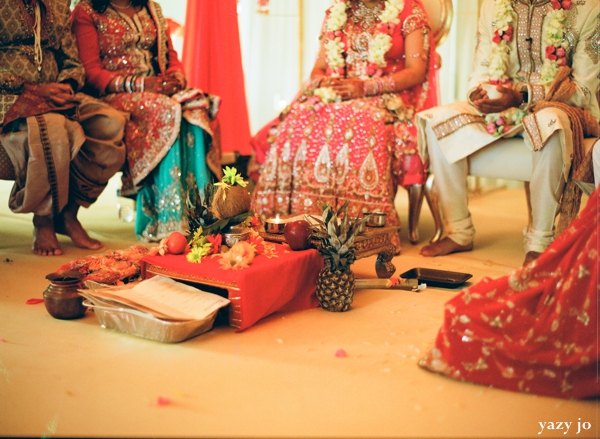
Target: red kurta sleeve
(89,50)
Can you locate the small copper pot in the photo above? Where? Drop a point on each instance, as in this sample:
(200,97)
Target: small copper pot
(61,298)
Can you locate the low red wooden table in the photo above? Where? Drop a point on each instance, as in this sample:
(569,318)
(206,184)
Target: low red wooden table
(286,282)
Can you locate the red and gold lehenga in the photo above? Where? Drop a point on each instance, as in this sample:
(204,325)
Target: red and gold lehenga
(358,150)
(534,330)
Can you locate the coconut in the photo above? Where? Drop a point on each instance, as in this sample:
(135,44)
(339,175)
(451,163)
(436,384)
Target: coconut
(235,202)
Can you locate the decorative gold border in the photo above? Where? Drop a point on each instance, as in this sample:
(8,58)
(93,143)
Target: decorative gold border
(530,125)
(592,45)
(373,240)
(455,123)
(157,270)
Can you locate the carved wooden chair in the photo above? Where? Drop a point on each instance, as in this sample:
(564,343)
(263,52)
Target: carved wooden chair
(440,14)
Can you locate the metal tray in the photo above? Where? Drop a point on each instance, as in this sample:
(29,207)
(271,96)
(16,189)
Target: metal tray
(437,278)
(134,322)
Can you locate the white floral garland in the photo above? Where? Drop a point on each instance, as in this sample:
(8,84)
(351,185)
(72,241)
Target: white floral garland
(379,46)
(553,36)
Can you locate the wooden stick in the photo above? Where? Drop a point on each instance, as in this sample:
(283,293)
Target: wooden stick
(387,284)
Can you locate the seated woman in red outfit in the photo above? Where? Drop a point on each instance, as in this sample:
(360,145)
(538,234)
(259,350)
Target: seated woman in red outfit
(534,330)
(130,63)
(350,136)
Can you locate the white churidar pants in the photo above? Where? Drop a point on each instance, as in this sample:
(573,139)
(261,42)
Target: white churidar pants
(546,186)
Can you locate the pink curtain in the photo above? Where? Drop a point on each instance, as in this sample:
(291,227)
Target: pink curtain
(212,61)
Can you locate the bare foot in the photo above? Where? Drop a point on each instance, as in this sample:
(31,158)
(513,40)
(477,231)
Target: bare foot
(44,237)
(443,247)
(67,224)
(530,257)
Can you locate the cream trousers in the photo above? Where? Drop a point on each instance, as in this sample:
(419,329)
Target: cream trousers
(546,186)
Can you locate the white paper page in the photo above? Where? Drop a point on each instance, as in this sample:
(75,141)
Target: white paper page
(183,298)
(164,298)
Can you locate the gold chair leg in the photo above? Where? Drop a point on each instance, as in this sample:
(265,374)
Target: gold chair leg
(432,201)
(415,202)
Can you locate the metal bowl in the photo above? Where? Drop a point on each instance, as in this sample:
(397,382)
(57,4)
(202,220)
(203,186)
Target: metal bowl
(376,219)
(234,234)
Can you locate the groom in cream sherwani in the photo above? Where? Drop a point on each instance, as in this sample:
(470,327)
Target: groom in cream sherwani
(535,77)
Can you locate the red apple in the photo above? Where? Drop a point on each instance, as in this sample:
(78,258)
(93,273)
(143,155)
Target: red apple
(297,234)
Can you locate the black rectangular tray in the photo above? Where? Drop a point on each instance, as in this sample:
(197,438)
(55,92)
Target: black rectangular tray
(437,278)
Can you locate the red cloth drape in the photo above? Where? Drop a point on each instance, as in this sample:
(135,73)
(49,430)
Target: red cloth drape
(212,61)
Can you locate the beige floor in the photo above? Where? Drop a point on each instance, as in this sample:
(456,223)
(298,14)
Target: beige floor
(280,378)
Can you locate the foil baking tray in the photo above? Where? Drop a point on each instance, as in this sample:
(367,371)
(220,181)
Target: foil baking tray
(134,322)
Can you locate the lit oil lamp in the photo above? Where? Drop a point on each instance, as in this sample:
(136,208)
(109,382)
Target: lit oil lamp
(275,225)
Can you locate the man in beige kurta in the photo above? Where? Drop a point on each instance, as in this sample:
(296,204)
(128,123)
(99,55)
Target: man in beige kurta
(61,148)
(559,113)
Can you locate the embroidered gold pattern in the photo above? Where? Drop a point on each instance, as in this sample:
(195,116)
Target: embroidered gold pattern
(538,93)
(529,41)
(323,164)
(368,174)
(533,130)
(571,34)
(592,45)
(417,20)
(452,125)
(342,161)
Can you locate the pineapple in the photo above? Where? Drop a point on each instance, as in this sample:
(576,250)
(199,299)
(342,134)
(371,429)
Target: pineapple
(335,234)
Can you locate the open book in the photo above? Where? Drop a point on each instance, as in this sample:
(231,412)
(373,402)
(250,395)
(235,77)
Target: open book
(161,297)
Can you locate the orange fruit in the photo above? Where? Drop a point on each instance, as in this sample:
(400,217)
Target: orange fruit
(176,243)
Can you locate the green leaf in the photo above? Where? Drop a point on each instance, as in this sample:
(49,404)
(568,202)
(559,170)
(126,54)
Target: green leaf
(217,226)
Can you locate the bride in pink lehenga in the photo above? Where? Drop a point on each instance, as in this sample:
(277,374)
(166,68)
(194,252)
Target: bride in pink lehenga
(350,134)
